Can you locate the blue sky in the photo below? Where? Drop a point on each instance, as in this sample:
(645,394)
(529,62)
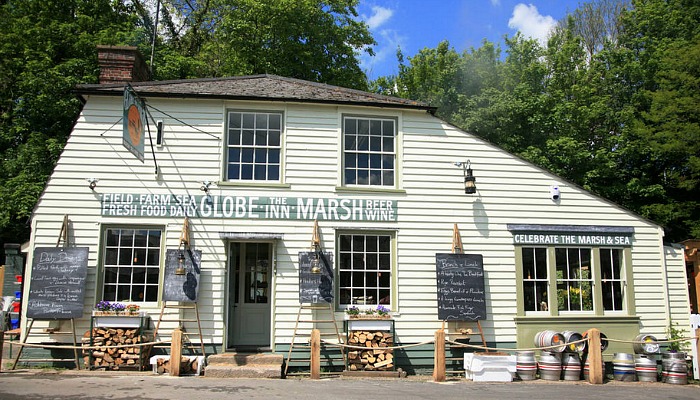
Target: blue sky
(416,24)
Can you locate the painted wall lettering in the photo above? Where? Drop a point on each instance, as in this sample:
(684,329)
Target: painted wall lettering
(247,207)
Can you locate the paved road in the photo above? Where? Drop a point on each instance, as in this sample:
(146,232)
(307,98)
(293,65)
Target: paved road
(100,385)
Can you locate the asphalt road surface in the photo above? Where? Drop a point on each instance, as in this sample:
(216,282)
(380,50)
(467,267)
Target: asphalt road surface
(99,385)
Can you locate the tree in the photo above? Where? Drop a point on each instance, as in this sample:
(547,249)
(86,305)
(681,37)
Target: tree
(46,48)
(315,40)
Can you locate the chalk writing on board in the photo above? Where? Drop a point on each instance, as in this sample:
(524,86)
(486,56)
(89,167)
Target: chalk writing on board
(315,288)
(184,288)
(57,283)
(460,287)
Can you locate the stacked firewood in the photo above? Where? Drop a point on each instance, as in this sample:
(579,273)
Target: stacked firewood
(188,365)
(376,356)
(103,355)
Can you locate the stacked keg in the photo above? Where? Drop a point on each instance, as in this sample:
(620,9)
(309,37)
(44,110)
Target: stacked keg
(645,347)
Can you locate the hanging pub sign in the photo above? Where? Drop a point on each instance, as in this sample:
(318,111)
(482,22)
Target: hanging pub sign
(133,119)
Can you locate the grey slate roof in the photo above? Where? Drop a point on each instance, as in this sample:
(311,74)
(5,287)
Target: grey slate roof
(256,87)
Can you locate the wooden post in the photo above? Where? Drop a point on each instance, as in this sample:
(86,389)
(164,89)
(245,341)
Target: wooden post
(176,352)
(595,357)
(439,357)
(315,354)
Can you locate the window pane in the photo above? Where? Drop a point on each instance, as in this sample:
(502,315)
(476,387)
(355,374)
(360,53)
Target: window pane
(234,120)
(363,279)
(257,144)
(132,267)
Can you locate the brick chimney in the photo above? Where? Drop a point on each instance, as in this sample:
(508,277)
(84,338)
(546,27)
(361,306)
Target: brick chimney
(121,64)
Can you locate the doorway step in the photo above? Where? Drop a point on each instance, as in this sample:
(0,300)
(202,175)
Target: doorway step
(244,365)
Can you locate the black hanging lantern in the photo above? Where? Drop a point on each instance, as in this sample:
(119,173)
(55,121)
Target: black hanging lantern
(469,180)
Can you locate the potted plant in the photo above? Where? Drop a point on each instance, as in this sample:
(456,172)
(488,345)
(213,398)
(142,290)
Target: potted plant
(115,314)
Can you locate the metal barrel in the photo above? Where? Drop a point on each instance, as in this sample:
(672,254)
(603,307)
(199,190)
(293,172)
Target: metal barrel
(674,368)
(571,367)
(623,367)
(603,340)
(645,344)
(645,367)
(550,366)
(571,336)
(526,365)
(548,339)
(587,368)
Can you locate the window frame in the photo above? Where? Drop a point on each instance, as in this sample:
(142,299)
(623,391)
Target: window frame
(392,305)
(226,148)
(395,153)
(101,280)
(597,296)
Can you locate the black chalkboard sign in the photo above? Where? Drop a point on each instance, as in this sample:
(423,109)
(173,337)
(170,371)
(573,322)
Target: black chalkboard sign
(184,288)
(57,285)
(315,288)
(460,287)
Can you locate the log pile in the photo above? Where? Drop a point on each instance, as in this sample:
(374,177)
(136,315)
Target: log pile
(188,365)
(114,358)
(376,357)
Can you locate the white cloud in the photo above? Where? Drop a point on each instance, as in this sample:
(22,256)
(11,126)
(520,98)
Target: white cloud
(495,3)
(531,23)
(379,16)
(388,40)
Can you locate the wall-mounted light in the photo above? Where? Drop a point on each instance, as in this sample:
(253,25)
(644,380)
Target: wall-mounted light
(205,187)
(469,179)
(92,183)
(180,270)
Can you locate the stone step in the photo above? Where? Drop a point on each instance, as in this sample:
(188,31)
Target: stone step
(236,371)
(246,359)
(244,365)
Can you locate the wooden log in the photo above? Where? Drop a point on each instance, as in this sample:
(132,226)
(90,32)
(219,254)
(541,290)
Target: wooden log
(315,354)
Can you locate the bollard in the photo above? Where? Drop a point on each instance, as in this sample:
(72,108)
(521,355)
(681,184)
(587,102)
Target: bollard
(595,357)
(176,352)
(439,356)
(315,354)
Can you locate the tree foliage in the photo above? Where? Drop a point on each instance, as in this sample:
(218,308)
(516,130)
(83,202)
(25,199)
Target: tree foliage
(611,103)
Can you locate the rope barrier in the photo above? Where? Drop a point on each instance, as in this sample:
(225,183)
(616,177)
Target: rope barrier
(331,344)
(518,349)
(50,346)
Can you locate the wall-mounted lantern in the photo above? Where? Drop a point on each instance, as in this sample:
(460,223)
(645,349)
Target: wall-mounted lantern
(469,179)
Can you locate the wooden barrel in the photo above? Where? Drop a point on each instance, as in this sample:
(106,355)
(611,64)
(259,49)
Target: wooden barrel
(526,365)
(645,344)
(548,339)
(674,368)
(623,367)
(645,367)
(571,367)
(550,366)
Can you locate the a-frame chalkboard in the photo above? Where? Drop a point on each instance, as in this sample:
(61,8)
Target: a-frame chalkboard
(184,288)
(57,283)
(460,287)
(315,288)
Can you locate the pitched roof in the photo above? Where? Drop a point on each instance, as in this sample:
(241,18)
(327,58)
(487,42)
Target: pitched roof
(256,87)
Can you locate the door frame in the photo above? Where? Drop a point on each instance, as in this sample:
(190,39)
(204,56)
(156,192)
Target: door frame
(231,279)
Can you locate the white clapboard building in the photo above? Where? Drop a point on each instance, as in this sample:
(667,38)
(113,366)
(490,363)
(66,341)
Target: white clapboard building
(251,163)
